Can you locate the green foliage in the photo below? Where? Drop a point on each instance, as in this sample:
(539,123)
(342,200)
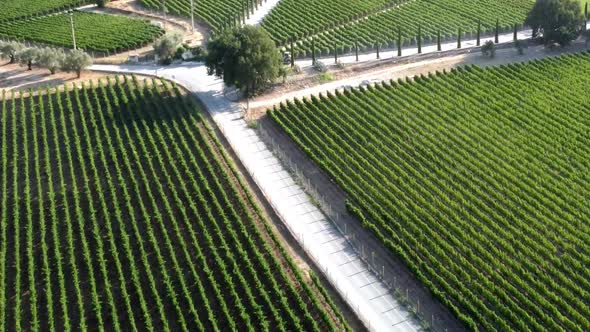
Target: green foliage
(216,13)
(94,32)
(246,58)
(101,3)
(76,61)
(51,59)
(446,16)
(475,179)
(8,50)
(168,45)
(126,179)
(559,21)
(28,57)
(19,9)
(488,49)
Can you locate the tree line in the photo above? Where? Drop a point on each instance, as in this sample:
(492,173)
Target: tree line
(52,59)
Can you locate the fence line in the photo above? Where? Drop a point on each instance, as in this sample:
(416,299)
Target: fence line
(403,294)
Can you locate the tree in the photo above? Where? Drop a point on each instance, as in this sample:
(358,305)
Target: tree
(166,46)
(8,50)
(27,57)
(488,49)
(558,21)
(101,3)
(245,57)
(76,61)
(52,59)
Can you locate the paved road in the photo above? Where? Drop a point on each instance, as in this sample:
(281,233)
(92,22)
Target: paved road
(362,289)
(263,10)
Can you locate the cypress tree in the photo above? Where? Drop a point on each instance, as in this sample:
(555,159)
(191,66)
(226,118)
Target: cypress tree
(356,50)
(478,32)
(419,39)
(292,53)
(335,53)
(378,50)
(438,46)
(313,51)
(515,32)
(399,41)
(459,38)
(497,31)
(586,11)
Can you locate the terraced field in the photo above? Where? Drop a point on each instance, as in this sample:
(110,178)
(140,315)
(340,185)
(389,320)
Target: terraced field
(478,179)
(120,211)
(94,32)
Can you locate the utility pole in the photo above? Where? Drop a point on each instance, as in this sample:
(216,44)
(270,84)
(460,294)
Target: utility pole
(73,30)
(192,15)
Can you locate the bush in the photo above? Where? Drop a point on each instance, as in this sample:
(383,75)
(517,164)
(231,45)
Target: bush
(167,46)
(489,49)
(320,66)
(520,46)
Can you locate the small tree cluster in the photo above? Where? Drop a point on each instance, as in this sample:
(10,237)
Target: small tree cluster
(51,59)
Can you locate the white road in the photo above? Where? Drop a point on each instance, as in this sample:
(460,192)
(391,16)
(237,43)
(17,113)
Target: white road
(330,250)
(263,10)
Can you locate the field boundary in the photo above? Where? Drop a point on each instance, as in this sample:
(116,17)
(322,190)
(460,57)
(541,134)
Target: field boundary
(332,201)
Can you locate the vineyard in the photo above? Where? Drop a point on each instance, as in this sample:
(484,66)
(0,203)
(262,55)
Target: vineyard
(447,17)
(478,179)
(94,32)
(120,211)
(17,9)
(216,13)
(304,17)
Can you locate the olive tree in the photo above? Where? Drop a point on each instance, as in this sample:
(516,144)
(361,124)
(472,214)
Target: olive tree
(8,50)
(51,58)
(28,56)
(557,21)
(76,61)
(166,46)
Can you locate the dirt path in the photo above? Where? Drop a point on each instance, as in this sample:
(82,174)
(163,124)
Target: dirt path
(308,83)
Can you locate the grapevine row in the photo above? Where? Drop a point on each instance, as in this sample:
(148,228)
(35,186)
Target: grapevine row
(482,197)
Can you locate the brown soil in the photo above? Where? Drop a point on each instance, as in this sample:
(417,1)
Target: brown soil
(17,78)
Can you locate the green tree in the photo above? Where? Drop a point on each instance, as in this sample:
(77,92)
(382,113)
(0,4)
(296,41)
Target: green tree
(167,46)
(488,49)
(245,57)
(101,3)
(52,59)
(558,21)
(28,57)
(76,61)
(8,50)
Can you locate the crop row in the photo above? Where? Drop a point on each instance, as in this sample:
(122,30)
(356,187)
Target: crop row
(449,17)
(19,9)
(121,214)
(307,17)
(216,13)
(477,179)
(94,32)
